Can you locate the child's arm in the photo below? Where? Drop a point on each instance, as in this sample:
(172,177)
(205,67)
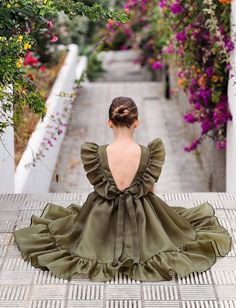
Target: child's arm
(152,188)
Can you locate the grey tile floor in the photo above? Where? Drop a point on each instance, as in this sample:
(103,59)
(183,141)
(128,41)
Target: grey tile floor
(22,285)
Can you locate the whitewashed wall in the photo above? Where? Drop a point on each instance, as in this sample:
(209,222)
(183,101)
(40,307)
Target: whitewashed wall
(7,161)
(231,126)
(37,179)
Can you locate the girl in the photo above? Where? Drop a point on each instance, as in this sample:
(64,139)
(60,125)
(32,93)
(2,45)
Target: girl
(122,225)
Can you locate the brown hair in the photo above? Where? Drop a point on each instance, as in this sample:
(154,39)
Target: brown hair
(123,111)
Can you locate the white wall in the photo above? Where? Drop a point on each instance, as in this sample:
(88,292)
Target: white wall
(231,126)
(37,179)
(7,160)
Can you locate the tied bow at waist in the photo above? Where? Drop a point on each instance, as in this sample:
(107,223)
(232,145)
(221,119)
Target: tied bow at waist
(124,199)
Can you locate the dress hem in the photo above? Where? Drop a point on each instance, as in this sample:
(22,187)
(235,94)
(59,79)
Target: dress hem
(155,268)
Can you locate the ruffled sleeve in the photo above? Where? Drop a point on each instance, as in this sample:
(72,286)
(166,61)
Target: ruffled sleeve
(90,160)
(92,166)
(156,157)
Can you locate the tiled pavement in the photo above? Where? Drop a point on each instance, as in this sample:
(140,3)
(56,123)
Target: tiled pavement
(22,285)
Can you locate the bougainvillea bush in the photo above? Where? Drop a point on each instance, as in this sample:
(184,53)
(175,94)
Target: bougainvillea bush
(138,33)
(201,45)
(144,31)
(122,36)
(196,35)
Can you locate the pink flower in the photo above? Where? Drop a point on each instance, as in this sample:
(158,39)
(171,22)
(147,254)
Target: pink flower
(29,59)
(49,24)
(221,144)
(193,145)
(59,131)
(43,68)
(206,125)
(228,66)
(189,117)
(53,39)
(222,114)
(181,36)
(163,3)
(176,8)
(157,65)
(50,143)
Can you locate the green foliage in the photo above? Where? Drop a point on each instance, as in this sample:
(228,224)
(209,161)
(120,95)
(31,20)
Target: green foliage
(23,28)
(94,12)
(73,30)
(94,68)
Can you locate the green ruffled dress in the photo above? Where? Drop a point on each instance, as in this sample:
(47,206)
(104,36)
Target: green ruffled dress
(131,231)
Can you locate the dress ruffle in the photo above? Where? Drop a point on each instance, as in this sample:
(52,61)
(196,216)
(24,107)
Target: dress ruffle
(98,174)
(42,249)
(92,165)
(157,158)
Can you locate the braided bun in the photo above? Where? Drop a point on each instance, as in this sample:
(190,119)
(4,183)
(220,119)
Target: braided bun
(123,111)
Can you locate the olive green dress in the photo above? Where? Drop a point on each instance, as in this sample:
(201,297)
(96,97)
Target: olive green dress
(131,231)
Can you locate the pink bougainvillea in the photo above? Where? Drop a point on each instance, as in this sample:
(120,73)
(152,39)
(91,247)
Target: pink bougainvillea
(202,53)
(197,36)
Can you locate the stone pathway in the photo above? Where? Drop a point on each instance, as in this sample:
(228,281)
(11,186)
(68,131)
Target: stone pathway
(23,286)
(158,118)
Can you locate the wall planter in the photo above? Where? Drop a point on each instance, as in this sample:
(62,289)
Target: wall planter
(35,176)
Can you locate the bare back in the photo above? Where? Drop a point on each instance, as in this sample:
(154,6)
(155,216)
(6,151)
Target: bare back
(123,163)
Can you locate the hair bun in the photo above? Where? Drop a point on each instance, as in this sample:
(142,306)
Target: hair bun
(121,111)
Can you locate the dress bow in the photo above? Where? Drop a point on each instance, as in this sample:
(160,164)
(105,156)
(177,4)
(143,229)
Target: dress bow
(124,199)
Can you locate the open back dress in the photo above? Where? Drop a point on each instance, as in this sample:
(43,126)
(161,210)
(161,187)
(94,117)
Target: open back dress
(132,231)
